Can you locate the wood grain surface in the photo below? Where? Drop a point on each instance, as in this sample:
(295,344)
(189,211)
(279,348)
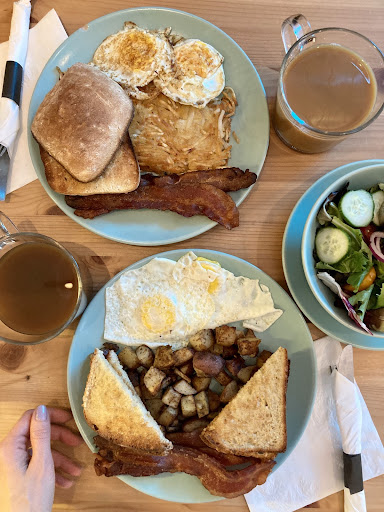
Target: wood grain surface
(34,375)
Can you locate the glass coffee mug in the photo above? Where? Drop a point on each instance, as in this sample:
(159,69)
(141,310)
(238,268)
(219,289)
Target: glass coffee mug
(331,85)
(41,291)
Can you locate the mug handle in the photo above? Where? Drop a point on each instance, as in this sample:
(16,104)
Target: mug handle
(6,226)
(293,28)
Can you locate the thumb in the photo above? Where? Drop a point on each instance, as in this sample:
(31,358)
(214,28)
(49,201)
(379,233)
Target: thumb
(40,435)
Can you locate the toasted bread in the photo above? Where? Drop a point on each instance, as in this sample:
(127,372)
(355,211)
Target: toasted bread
(82,120)
(253,424)
(115,411)
(122,175)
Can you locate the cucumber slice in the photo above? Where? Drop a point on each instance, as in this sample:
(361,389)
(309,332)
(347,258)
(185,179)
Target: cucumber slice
(332,245)
(378,200)
(357,208)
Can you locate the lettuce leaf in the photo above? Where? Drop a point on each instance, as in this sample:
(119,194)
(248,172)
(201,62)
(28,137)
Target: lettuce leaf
(379,267)
(355,234)
(356,262)
(361,300)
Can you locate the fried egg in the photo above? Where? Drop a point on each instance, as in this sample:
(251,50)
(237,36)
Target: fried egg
(200,74)
(147,305)
(166,302)
(136,57)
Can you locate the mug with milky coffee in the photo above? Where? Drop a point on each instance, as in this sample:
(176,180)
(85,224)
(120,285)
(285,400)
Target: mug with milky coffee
(331,85)
(40,283)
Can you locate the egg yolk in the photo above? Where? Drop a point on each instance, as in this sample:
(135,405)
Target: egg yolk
(158,313)
(206,264)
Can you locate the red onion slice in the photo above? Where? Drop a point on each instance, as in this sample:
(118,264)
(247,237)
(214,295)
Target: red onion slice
(333,285)
(375,245)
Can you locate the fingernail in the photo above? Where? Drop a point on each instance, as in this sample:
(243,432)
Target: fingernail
(41,413)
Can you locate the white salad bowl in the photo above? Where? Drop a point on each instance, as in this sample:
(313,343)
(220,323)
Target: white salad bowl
(362,178)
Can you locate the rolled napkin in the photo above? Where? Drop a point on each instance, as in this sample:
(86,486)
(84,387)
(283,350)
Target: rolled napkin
(314,469)
(349,417)
(44,38)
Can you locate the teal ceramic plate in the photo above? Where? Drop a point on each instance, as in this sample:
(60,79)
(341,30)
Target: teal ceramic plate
(251,122)
(293,268)
(289,331)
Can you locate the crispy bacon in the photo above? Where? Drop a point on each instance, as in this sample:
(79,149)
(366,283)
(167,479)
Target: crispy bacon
(187,200)
(212,474)
(192,440)
(227,180)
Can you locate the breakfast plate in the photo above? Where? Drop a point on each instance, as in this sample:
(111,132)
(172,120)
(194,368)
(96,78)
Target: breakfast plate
(251,122)
(289,331)
(293,269)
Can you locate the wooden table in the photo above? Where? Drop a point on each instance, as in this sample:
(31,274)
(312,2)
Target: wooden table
(34,375)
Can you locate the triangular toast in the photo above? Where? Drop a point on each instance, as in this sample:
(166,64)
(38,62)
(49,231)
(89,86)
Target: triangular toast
(115,411)
(254,422)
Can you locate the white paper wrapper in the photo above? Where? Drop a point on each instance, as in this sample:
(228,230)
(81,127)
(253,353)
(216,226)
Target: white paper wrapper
(314,469)
(44,38)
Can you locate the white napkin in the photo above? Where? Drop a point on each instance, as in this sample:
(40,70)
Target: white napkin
(314,469)
(44,38)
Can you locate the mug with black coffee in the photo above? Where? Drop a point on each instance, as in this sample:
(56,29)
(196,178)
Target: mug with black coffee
(41,291)
(331,85)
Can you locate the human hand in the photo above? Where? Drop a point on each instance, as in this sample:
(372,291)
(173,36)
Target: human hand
(28,481)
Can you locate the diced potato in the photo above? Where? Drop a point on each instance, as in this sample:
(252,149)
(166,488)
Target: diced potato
(187,368)
(128,358)
(250,334)
(167,381)
(167,416)
(201,383)
(225,335)
(153,379)
(229,392)
(155,406)
(213,400)
(145,393)
(183,355)
(202,406)
(184,388)
(134,377)
(202,340)
(145,355)
(239,334)
(194,424)
(208,363)
(234,365)
(171,397)
(188,406)
(217,349)
(248,346)
(229,352)
(223,378)
(199,373)
(164,358)
(138,390)
(174,426)
(212,415)
(182,375)
(246,373)
(265,354)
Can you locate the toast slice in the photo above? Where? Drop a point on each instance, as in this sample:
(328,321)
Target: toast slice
(115,411)
(122,175)
(82,120)
(253,424)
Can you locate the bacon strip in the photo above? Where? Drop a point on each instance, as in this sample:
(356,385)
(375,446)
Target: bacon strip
(227,180)
(187,200)
(212,474)
(192,440)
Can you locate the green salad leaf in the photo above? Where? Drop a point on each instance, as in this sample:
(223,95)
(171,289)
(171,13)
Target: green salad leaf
(379,267)
(355,234)
(355,262)
(377,298)
(361,300)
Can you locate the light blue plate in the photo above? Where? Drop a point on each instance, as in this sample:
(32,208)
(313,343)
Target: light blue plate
(293,268)
(289,331)
(251,122)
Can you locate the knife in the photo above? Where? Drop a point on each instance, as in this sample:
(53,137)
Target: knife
(349,416)
(13,77)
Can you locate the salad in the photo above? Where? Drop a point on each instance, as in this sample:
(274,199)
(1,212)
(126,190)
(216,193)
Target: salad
(349,253)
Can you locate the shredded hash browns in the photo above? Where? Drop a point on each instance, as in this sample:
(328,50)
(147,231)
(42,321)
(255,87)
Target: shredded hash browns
(172,138)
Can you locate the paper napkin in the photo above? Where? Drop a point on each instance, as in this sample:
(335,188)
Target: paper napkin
(314,469)
(44,38)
